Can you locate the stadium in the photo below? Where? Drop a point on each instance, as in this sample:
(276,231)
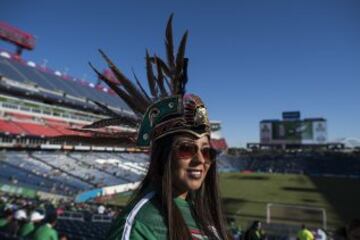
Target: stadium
(49,158)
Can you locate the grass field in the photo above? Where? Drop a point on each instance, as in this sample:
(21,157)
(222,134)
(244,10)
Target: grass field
(245,197)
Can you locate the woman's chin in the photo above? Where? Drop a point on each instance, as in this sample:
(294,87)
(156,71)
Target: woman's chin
(193,185)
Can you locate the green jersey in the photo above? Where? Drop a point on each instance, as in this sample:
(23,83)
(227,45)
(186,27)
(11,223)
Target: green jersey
(144,221)
(3,222)
(45,232)
(26,229)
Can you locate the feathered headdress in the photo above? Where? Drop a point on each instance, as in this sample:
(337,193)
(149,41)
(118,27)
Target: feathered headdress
(166,109)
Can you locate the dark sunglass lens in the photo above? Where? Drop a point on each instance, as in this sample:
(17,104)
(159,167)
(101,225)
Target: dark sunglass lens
(209,154)
(186,150)
(213,154)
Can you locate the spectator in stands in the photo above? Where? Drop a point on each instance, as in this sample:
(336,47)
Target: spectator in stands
(320,234)
(12,227)
(6,218)
(63,237)
(254,232)
(3,201)
(178,198)
(353,230)
(47,231)
(235,230)
(31,225)
(305,234)
(101,209)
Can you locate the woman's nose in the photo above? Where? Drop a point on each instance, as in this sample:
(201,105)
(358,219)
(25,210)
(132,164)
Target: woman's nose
(199,157)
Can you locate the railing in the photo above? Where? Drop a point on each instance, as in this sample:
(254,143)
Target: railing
(101,218)
(75,216)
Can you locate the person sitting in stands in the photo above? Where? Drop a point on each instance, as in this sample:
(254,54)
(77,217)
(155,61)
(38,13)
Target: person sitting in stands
(254,232)
(47,231)
(13,226)
(31,225)
(6,217)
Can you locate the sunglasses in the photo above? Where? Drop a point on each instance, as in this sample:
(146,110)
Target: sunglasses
(188,150)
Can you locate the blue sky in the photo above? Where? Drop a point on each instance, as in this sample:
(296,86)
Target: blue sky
(249,60)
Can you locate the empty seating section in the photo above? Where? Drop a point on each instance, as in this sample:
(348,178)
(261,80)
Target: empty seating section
(35,129)
(9,71)
(33,75)
(70,173)
(13,174)
(130,169)
(18,71)
(27,128)
(62,84)
(64,128)
(20,116)
(26,163)
(219,144)
(82,169)
(9,127)
(21,124)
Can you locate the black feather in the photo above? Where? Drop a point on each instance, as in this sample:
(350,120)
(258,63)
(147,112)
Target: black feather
(106,109)
(151,77)
(119,121)
(131,102)
(178,79)
(160,79)
(127,84)
(169,43)
(141,87)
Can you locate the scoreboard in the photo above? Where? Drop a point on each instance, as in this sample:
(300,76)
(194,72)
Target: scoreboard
(293,131)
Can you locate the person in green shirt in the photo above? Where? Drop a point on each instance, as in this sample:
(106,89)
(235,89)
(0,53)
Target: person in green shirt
(178,198)
(305,234)
(6,218)
(46,231)
(26,229)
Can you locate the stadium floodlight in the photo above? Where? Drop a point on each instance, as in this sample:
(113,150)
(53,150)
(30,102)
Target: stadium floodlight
(16,36)
(297,213)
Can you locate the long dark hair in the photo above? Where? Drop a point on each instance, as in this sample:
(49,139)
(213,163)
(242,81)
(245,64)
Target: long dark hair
(207,210)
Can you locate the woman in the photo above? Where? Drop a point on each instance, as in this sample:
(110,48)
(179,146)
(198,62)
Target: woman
(178,198)
(179,194)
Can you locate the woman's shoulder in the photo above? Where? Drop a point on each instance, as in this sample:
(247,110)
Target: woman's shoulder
(149,212)
(145,209)
(140,218)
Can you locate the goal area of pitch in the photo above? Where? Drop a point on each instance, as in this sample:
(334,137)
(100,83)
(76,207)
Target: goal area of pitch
(296,214)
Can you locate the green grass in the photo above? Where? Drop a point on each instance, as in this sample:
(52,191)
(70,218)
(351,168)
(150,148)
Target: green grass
(245,196)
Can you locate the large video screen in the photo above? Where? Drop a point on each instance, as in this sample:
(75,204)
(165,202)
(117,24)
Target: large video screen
(292,130)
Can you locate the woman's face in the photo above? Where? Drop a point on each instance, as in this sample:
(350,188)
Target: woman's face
(192,159)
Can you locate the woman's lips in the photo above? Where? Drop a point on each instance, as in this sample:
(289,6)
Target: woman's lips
(194,173)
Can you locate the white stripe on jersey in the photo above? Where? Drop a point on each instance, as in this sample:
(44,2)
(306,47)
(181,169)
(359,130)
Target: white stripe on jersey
(131,216)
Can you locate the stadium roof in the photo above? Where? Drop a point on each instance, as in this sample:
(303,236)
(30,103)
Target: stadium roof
(65,86)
